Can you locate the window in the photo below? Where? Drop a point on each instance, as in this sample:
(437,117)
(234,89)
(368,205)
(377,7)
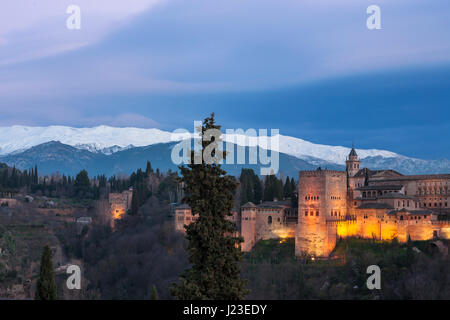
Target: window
(269,220)
(306,213)
(317,213)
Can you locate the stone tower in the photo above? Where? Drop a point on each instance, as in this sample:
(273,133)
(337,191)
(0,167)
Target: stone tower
(352,163)
(321,202)
(248,226)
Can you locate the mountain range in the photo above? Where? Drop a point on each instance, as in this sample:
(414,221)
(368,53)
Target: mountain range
(109,150)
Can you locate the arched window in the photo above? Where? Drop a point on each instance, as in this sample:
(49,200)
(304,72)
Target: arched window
(269,220)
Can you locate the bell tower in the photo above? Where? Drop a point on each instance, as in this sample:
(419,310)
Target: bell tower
(352,163)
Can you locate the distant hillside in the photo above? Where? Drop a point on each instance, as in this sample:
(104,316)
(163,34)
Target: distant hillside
(54,156)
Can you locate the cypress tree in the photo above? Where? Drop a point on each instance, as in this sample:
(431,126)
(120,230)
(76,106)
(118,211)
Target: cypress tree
(46,286)
(257,188)
(287,188)
(82,184)
(134,202)
(294,194)
(213,248)
(36,176)
(148,169)
(268,189)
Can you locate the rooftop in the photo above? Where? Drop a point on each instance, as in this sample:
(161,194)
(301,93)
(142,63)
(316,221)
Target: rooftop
(375,205)
(411,212)
(381,187)
(419,177)
(274,204)
(395,195)
(249,205)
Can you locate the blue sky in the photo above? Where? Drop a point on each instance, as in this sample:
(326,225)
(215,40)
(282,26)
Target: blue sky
(310,68)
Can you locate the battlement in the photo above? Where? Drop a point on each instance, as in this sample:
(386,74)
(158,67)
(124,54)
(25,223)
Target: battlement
(321,172)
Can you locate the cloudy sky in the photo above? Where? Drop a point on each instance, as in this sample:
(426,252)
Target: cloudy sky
(308,67)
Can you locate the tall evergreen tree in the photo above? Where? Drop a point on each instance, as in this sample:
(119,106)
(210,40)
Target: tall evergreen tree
(149,168)
(36,176)
(46,286)
(257,187)
(134,202)
(82,185)
(213,248)
(287,190)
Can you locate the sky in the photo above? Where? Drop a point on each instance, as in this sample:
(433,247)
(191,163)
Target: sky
(310,68)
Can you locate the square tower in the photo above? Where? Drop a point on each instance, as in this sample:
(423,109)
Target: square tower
(322,200)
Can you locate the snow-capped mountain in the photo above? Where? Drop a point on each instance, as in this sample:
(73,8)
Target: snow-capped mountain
(109,140)
(101,139)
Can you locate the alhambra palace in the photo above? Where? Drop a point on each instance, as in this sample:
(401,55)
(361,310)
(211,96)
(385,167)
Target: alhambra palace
(375,204)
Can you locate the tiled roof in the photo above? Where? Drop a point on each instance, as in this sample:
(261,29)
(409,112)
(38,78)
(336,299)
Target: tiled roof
(395,195)
(411,212)
(419,177)
(371,173)
(375,205)
(274,204)
(353,153)
(249,205)
(381,187)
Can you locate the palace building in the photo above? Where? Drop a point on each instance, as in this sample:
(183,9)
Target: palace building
(375,204)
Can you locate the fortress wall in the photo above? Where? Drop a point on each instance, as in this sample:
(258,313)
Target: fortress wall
(347,228)
(275,229)
(389,229)
(368,223)
(420,230)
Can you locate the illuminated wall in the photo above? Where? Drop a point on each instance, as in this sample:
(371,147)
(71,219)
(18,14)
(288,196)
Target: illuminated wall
(322,199)
(248,228)
(119,203)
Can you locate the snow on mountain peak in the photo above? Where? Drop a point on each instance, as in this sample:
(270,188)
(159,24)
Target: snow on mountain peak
(108,140)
